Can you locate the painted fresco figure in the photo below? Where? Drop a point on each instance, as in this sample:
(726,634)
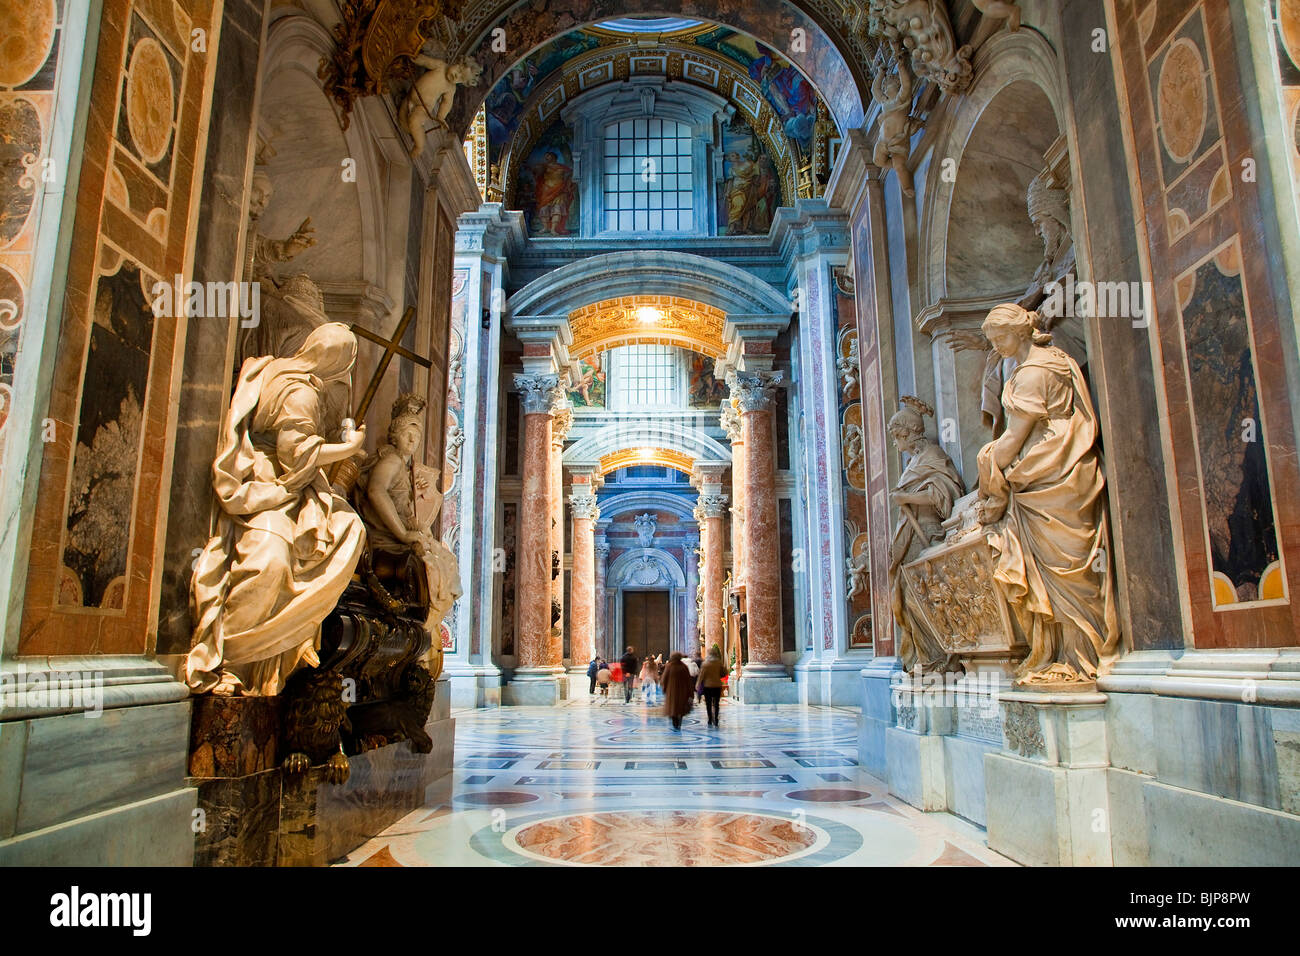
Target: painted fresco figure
(553,195)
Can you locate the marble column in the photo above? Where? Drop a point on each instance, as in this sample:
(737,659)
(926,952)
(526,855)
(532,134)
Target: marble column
(561,422)
(691,553)
(535,649)
(582,591)
(602,599)
(756,395)
(732,425)
(710,511)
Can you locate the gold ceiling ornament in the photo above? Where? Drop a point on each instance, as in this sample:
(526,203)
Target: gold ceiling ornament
(374,42)
(663,457)
(647,320)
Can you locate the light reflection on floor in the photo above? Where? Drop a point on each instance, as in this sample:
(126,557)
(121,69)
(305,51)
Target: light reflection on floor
(603,783)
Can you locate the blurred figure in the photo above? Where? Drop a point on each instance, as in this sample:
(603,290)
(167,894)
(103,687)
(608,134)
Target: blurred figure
(678,687)
(629,663)
(602,678)
(709,683)
(592,669)
(649,680)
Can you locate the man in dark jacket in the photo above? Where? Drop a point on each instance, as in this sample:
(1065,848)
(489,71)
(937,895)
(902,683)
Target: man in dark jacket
(630,665)
(592,670)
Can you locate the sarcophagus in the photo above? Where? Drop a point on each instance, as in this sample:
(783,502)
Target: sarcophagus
(951,586)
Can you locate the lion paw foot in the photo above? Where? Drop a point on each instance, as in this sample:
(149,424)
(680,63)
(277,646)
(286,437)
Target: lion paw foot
(337,769)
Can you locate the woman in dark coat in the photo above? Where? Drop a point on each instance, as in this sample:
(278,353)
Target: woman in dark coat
(679,690)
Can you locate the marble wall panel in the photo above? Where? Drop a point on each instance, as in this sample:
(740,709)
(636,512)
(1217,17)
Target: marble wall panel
(1182,99)
(218,256)
(147,104)
(29,78)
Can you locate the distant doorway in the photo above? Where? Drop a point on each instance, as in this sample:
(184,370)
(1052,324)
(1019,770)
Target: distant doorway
(647,628)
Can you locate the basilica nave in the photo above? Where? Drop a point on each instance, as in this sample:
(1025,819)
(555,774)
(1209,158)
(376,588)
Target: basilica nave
(915,378)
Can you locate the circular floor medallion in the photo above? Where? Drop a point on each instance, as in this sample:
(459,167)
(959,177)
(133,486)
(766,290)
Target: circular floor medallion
(664,838)
(828,795)
(497,798)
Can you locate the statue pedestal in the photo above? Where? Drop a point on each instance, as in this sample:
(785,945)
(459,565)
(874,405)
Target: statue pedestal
(914,749)
(536,687)
(254,814)
(1048,802)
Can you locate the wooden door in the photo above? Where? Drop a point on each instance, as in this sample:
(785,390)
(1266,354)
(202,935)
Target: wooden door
(647,627)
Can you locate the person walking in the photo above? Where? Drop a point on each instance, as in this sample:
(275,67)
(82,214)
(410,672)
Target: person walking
(678,686)
(592,670)
(629,663)
(709,683)
(649,680)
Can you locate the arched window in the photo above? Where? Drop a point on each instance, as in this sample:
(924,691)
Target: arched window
(649,176)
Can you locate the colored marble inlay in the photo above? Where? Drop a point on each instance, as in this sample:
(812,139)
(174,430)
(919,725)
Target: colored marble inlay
(665,838)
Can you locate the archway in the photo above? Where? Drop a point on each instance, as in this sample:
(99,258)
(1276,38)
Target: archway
(831,59)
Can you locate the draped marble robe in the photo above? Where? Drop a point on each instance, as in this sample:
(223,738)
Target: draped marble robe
(285,545)
(930,472)
(1054,564)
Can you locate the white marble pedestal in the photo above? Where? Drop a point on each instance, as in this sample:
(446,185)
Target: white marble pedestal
(1047,796)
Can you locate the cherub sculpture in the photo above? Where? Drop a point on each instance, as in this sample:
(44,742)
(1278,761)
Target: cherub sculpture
(398,502)
(893,91)
(433,93)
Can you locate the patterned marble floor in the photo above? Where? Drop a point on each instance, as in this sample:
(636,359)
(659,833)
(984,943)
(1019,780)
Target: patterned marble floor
(603,783)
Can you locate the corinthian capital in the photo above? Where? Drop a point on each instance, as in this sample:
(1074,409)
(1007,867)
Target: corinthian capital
(710,506)
(755,391)
(730,422)
(584,506)
(540,394)
(561,422)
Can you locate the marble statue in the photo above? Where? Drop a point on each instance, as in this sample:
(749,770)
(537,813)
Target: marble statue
(1042,487)
(433,93)
(926,491)
(285,545)
(857,574)
(893,142)
(847,366)
(398,500)
(1049,210)
(855,453)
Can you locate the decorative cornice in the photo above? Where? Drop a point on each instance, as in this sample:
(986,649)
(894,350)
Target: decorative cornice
(755,391)
(539,394)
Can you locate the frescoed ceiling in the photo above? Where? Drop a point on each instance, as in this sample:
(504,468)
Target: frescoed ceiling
(788,94)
